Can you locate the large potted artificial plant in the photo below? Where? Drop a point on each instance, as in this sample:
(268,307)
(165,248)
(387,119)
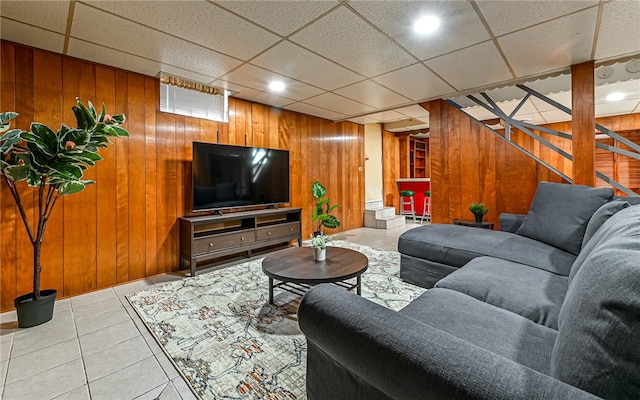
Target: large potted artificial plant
(322,209)
(52,162)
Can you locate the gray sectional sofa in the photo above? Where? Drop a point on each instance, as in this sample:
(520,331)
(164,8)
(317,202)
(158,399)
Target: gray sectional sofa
(550,310)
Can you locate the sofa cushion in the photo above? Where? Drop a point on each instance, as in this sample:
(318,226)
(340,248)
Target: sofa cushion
(456,245)
(601,215)
(530,292)
(486,326)
(559,214)
(607,229)
(598,345)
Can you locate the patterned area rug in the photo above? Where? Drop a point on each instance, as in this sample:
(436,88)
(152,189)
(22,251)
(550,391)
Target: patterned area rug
(230,344)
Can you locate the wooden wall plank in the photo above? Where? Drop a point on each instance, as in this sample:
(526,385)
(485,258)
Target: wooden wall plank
(390,170)
(9,220)
(122,182)
(47,79)
(106,258)
(24,106)
(80,228)
(150,195)
(136,178)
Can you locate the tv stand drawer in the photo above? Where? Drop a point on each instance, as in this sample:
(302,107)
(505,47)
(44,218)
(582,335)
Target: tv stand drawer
(223,241)
(280,230)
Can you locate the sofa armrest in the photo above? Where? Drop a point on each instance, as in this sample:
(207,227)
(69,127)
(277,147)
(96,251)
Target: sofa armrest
(511,222)
(389,355)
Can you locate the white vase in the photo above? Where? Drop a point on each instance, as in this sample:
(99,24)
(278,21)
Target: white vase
(320,254)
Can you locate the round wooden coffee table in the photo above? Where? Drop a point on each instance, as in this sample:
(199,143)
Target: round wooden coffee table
(296,270)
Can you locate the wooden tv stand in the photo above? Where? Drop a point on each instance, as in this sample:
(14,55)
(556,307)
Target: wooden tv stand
(208,237)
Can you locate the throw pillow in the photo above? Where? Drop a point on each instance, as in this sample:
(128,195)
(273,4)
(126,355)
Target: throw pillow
(601,216)
(559,214)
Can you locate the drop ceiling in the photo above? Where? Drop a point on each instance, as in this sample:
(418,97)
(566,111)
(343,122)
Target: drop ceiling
(348,60)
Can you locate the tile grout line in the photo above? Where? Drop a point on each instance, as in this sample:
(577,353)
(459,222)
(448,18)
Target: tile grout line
(84,368)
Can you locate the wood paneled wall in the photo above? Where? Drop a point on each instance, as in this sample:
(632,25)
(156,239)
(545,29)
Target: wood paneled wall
(394,151)
(124,227)
(469,163)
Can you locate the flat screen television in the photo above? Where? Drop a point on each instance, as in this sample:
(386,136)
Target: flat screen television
(228,176)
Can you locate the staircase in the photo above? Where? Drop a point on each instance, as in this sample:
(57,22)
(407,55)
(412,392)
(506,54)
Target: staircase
(383,218)
(622,147)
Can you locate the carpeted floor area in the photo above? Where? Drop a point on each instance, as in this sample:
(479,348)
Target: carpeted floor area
(230,344)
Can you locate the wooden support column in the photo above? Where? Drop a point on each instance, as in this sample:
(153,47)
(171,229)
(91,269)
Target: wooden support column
(583,123)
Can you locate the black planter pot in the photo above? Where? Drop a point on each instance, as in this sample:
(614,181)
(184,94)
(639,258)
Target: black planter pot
(479,218)
(35,312)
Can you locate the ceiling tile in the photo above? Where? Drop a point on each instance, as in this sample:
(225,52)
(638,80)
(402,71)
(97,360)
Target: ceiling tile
(348,40)
(555,116)
(340,104)
(364,120)
(373,94)
(479,113)
(459,24)
(49,15)
(416,82)
(508,106)
(315,111)
(533,118)
(298,63)
(199,22)
(386,116)
(262,97)
(472,67)
(615,108)
(415,111)
(619,29)
(507,16)
(258,78)
(553,45)
(631,90)
(30,35)
(91,24)
(563,98)
(103,55)
(282,17)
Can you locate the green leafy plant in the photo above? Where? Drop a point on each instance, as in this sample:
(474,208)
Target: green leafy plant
(478,209)
(52,162)
(320,241)
(323,208)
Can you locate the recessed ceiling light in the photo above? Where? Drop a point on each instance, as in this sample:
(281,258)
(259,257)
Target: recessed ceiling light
(615,96)
(426,25)
(276,86)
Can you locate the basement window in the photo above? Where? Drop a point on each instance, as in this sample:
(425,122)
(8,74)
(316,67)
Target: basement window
(183,97)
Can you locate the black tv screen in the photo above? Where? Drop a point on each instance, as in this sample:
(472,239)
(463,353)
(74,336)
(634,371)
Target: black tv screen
(227,176)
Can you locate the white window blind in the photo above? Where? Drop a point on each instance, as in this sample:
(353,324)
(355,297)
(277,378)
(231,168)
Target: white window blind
(192,103)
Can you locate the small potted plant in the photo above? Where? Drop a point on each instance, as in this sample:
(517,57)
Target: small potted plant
(53,163)
(478,210)
(322,209)
(319,244)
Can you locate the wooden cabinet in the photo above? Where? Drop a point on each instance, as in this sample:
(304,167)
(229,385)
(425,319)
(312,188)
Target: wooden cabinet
(418,158)
(212,236)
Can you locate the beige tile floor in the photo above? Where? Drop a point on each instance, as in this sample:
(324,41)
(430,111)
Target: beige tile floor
(96,346)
